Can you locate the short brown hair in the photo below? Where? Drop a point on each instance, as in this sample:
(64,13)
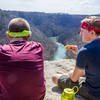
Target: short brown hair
(18,25)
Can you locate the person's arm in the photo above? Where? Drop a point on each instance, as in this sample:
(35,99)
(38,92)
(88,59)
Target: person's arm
(81,63)
(77,73)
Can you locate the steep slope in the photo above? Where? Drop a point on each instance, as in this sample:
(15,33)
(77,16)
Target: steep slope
(49,46)
(37,35)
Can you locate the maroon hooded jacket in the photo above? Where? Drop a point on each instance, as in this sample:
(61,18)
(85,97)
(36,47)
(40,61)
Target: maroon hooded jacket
(22,71)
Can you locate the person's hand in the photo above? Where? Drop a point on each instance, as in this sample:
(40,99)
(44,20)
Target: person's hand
(73,48)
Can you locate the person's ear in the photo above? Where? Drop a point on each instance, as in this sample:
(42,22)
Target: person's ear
(93,33)
(28,36)
(9,37)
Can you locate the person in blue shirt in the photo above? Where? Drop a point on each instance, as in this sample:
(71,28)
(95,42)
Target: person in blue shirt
(87,62)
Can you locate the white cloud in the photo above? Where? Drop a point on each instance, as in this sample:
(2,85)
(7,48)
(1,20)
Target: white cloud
(65,6)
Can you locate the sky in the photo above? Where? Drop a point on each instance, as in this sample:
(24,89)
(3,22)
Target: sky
(53,6)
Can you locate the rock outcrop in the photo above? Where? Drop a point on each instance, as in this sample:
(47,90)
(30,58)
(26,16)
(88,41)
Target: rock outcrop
(51,67)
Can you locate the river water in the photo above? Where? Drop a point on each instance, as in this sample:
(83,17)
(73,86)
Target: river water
(60,52)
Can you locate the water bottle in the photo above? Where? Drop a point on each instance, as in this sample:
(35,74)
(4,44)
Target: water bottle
(69,94)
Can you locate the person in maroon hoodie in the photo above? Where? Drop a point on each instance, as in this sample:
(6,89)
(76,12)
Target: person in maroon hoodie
(21,64)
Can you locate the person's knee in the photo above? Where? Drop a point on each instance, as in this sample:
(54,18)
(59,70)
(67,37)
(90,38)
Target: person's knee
(55,78)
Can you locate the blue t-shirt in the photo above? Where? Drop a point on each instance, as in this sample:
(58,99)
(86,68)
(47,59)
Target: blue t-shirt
(88,59)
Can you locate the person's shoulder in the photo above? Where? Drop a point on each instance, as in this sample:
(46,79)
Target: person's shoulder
(89,45)
(83,49)
(33,43)
(3,47)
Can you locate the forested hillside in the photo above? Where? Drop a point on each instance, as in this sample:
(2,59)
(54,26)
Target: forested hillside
(65,27)
(51,24)
(4,19)
(37,35)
